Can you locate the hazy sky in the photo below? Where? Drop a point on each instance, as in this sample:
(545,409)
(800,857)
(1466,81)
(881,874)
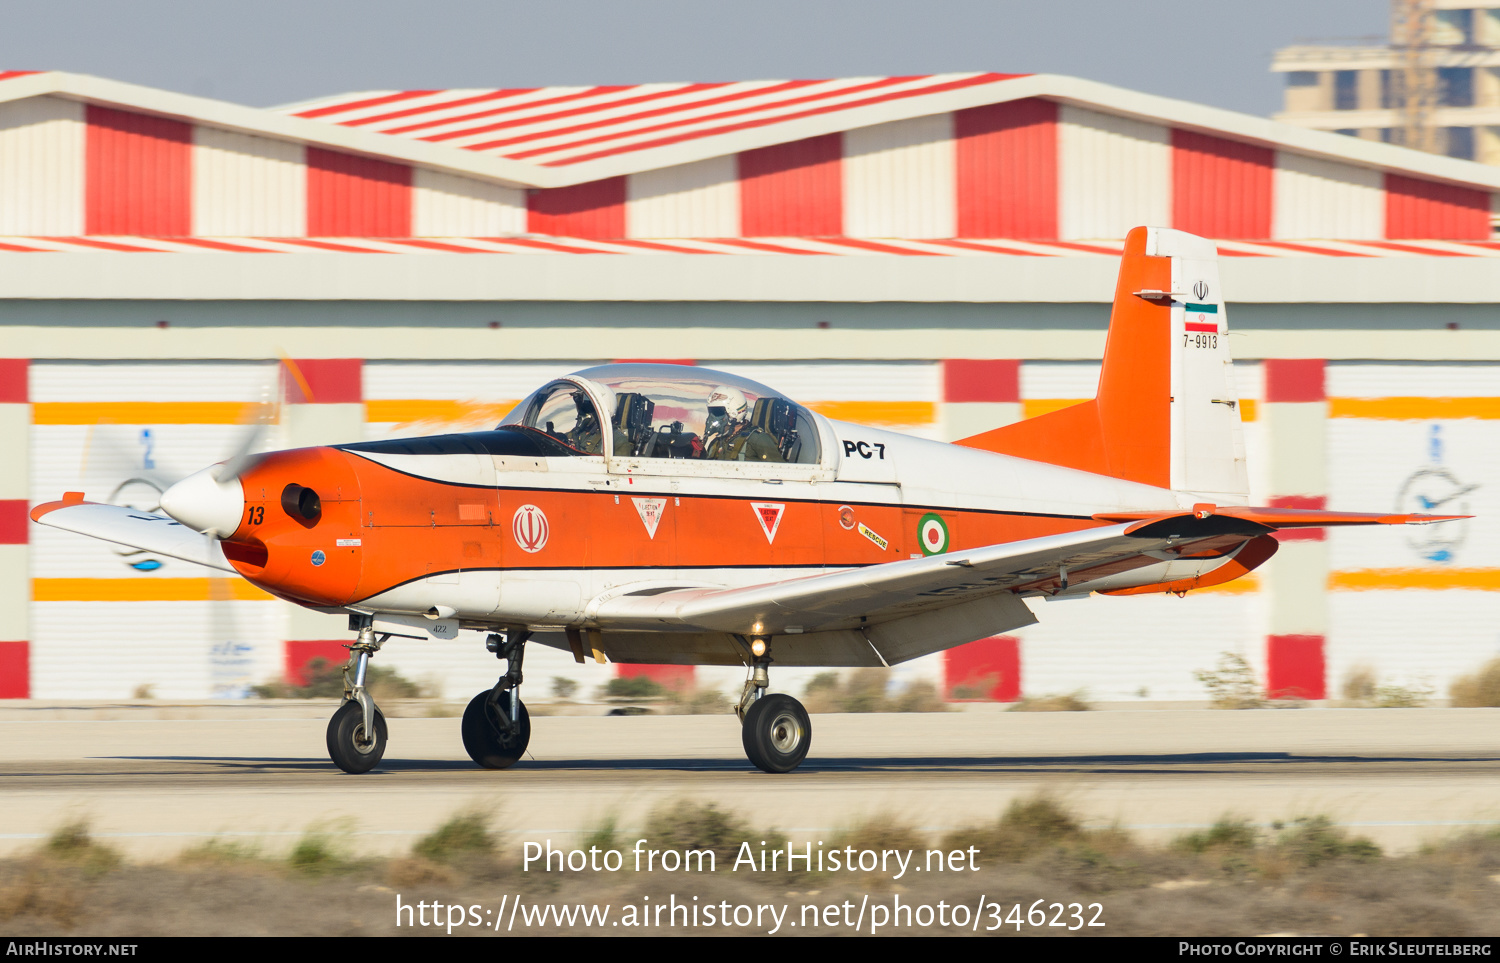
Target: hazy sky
(269,52)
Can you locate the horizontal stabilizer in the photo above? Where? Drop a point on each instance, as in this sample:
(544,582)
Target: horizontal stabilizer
(1277,518)
(157,534)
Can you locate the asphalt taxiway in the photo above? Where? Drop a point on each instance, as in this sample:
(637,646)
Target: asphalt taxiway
(155,779)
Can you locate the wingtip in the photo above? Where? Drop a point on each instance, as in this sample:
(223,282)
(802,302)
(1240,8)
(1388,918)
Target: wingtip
(69,499)
(1421,519)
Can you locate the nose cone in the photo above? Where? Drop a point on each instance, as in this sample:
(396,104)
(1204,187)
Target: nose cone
(203,503)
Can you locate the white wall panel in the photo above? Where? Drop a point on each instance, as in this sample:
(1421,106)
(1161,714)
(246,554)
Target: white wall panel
(182,650)
(1137,647)
(690,200)
(247,186)
(1115,174)
(165,381)
(1384,466)
(1411,637)
(1315,198)
(447,205)
(41,166)
(1403,380)
(1046,379)
(899,179)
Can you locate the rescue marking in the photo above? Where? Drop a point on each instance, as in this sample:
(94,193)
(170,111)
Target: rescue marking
(650,510)
(769,516)
(867,532)
(932,534)
(530,528)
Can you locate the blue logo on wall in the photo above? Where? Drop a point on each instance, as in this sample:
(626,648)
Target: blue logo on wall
(1434,489)
(318,558)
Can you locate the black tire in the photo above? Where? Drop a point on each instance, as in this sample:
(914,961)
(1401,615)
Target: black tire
(777,733)
(486,738)
(348,747)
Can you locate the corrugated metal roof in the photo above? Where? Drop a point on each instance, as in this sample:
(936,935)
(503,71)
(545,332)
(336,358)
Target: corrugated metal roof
(829,246)
(561,126)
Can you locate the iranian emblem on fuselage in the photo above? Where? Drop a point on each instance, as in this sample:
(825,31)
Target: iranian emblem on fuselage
(530,528)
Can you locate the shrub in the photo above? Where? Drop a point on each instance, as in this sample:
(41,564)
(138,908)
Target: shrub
(1232,684)
(1479,689)
(464,834)
(563,687)
(1070,702)
(864,690)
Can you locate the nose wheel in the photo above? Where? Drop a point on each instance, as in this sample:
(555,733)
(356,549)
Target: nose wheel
(357,733)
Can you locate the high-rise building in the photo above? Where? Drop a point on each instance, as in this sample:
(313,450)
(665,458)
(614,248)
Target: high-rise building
(1435,85)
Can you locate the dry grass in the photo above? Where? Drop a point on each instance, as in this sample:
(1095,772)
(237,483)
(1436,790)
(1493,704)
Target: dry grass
(1303,876)
(1068,702)
(865,690)
(1479,689)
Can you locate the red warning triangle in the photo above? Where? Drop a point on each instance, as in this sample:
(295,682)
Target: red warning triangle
(769,516)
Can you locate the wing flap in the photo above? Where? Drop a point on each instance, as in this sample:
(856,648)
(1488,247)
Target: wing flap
(157,534)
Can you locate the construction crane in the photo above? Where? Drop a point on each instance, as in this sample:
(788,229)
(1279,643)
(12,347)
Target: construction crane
(1414,84)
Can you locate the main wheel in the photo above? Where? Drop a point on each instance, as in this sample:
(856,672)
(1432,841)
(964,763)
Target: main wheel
(777,733)
(350,748)
(486,737)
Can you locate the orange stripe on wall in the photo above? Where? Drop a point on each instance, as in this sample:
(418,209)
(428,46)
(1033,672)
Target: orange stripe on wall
(144,590)
(145,412)
(1414,409)
(877,412)
(417,409)
(1372,579)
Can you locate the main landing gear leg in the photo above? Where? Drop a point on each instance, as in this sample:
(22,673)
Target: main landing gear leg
(496,726)
(775,729)
(357,733)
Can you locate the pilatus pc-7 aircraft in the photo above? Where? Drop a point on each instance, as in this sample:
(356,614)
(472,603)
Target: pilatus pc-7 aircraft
(668,514)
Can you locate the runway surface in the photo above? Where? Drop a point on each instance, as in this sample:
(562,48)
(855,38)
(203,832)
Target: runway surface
(154,780)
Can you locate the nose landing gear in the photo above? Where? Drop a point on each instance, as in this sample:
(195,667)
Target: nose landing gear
(775,729)
(496,726)
(357,732)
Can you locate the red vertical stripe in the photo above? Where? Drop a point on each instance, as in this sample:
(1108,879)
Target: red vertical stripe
(981,380)
(350,196)
(1221,188)
(14,381)
(793,190)
(15,670)
(1295,668)
(1415,209)
(678,677)
(138,174)
(329,381)
(989,669)
(1295,379)
(14,522)
(296,656)
(594,210)
(1007,169)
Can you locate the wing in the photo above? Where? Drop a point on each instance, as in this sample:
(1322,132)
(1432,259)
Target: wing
(860,599)
(126,526)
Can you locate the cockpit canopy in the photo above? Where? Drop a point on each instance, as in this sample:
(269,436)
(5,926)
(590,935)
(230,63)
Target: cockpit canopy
(671,411)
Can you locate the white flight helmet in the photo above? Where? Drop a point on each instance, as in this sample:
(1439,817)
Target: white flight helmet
(732,400)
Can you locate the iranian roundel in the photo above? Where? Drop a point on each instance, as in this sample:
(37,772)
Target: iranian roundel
(529,526)
(932,534)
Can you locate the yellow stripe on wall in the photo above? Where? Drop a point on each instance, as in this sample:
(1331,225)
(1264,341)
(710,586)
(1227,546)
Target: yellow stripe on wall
(877,412)
(144,590)
(1414,409)
(146,412)
(1243,585)
(1372,579)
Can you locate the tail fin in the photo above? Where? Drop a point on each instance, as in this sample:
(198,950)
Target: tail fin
(1167,409)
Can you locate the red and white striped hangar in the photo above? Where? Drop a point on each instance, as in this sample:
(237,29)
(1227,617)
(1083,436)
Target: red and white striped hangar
(934,254)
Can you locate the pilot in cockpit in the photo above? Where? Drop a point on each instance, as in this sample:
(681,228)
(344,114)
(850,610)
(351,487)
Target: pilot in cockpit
(729,432)
(586,436)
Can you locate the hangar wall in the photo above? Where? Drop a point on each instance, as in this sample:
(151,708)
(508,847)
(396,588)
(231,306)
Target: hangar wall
(1416,606)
